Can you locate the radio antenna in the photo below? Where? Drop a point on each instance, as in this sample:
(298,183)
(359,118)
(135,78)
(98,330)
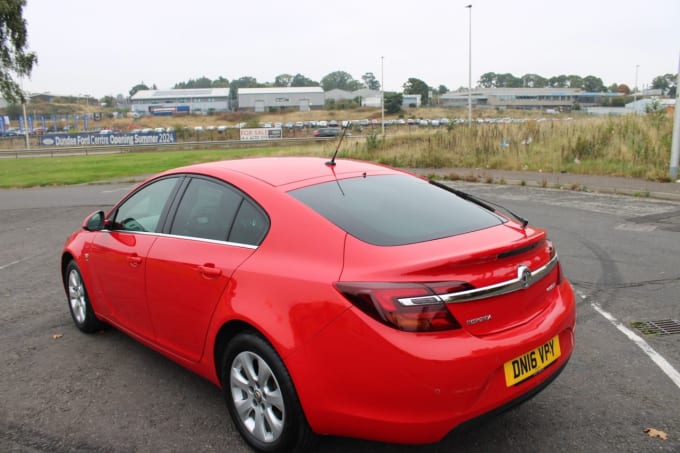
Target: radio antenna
(331,163)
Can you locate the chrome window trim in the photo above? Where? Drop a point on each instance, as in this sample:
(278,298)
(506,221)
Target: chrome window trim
(525,278)
(191,238)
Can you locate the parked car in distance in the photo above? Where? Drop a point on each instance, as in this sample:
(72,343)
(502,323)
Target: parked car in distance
(12,132)
(326,296)
(327,132)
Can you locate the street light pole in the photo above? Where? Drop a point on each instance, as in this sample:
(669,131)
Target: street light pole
(637,67)
(382,93)
(675,144)
(23,107)
(469,7)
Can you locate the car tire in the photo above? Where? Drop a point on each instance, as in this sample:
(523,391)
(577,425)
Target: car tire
(78,301)
(261,398)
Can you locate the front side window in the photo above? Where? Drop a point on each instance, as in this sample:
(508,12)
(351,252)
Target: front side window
(142,211)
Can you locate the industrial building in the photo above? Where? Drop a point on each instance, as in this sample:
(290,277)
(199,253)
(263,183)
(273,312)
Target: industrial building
(524,98)
(168,102)
(277,98)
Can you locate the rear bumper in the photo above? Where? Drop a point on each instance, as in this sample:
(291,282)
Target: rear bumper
(361,379)
(514,403)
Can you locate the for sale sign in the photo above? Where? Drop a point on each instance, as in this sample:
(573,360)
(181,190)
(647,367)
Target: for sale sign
(262,133)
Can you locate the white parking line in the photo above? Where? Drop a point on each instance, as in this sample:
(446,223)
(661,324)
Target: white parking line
(662,363)
(12,263)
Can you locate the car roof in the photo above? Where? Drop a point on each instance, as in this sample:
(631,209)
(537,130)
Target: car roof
(291,172)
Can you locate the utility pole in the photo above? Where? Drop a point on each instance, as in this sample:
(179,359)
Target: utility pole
(23,107)
(635,89)
(675,145)
(469,7)
(382,93)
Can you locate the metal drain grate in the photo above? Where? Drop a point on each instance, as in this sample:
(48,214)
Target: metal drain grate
(661,327)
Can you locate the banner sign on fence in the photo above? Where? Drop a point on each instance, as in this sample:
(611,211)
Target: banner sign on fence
(113,139)
(261,133)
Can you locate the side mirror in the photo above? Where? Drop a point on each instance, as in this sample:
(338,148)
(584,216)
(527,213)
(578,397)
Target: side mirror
(95,221)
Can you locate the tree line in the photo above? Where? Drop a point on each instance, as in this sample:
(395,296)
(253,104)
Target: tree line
(342,80)
(666,83)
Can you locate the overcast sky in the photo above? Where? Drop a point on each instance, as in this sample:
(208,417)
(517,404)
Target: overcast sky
(105,48)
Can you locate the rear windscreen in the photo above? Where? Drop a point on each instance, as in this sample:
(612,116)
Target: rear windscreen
(395,209)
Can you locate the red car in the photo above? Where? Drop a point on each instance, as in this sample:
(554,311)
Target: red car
(328,298)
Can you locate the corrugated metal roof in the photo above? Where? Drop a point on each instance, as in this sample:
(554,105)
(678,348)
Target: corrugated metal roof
(280,90)
(193,92)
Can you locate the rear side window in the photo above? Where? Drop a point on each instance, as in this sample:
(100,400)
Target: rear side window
(391,210)
(212,210)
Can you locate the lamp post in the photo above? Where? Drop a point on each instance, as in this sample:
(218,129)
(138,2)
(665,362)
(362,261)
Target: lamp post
(637,67)
(23,108)
(469,7)
(675,144)
(382,93)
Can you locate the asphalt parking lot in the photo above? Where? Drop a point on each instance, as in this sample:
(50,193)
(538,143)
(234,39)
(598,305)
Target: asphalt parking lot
(64,391)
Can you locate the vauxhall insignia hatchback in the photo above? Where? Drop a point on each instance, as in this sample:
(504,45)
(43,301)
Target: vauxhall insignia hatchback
(328,297)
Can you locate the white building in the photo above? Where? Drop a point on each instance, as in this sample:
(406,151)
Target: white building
(264,99)
(525,98)
(410,100)
(193,100)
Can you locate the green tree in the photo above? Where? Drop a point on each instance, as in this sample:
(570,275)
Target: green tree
(487,80)
(220,82)
(574,81)
(108,101)
(283,80)
(370,81)
(508,80)
(340,80)
(301,81)
(593,84)
(442,89)
(534,81)
(417,86)
(139,87)
(201,82)
(393,102)
(559,81)
(667,83)
(15,58)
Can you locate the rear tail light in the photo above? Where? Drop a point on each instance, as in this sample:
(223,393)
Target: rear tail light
(412,307)
(553,253)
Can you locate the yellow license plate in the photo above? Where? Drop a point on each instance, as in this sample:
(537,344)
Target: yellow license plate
(526,365)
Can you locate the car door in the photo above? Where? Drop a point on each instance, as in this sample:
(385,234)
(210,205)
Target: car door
(118,255)
(214,229)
